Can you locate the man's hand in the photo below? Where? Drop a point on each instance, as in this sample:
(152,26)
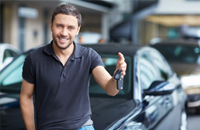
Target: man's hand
(105,80)
(121,64)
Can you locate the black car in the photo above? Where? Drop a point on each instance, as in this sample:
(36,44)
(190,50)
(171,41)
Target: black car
(152,97)
(184,57)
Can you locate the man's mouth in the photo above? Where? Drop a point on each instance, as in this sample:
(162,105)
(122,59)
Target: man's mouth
(63,39)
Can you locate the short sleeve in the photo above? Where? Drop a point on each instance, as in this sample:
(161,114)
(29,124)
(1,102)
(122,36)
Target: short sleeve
(95,60)
(28,70)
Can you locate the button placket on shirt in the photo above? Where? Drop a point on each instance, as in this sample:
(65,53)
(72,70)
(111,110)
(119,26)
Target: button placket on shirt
(65,70)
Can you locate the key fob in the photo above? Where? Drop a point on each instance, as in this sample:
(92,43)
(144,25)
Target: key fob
(120,80)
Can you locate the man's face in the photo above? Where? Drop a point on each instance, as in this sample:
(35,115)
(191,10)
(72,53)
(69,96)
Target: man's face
(64,29)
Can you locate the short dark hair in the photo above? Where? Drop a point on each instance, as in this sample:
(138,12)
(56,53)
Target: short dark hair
(67,9)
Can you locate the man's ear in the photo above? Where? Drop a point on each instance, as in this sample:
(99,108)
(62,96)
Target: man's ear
(78,30)
(51,26)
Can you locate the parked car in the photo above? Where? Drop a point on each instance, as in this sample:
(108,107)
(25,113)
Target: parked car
(152,95)
(7,53)
(184,57)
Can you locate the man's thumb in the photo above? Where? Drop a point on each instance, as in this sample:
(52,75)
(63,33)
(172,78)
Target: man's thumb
(121,56)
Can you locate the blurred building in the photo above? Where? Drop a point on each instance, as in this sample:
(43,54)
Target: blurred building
(25,24)
(172,19)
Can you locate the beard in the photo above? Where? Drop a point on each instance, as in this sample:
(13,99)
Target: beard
(56,42)
(60,46)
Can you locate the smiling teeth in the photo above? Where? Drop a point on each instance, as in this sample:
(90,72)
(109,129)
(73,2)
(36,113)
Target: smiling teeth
(63,39)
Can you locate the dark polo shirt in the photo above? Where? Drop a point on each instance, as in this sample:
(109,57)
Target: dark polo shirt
(61,92)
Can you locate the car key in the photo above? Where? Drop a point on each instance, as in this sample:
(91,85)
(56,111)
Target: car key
(120,80)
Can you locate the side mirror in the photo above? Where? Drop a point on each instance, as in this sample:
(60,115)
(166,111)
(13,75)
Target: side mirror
(160,88)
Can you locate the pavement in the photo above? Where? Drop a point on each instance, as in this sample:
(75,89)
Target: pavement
(193,122)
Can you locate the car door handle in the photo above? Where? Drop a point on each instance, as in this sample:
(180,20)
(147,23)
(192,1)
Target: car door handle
(167,102)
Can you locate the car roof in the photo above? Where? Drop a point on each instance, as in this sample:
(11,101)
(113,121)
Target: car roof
(125,49)
(177,42)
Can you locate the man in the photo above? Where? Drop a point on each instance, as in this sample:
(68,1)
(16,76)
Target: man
(59,74)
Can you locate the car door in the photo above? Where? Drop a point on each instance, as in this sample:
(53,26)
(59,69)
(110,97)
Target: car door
(10,86)
(152,105)
(173,106)
(155,108)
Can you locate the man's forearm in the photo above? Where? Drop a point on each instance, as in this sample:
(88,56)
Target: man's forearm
(111,87)
(27,109)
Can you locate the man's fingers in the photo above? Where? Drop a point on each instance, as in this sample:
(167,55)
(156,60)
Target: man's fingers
(121,56)
(121,64)
(123,67)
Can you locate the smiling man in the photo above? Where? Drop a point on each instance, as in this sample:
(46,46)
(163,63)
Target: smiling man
(59,74)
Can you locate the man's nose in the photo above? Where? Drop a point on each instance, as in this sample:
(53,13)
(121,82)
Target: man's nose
(64,32)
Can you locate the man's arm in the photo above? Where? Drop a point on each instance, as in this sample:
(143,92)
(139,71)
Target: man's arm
(26,103)
(105,80)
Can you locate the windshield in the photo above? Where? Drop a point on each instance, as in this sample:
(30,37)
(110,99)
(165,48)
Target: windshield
(110,62)
(180,53)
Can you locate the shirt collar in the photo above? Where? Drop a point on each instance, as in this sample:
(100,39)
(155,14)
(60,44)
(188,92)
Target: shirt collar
(76,53)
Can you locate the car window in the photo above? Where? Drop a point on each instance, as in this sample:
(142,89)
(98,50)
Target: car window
(9,53)
(147,71)
(110,65)
(163,67)
(13,53)
(180,53)
(11,77)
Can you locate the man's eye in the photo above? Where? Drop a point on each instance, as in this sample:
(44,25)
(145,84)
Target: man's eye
(71,28)
(58,25)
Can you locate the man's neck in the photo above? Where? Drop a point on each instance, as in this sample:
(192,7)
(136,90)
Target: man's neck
(63,54)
